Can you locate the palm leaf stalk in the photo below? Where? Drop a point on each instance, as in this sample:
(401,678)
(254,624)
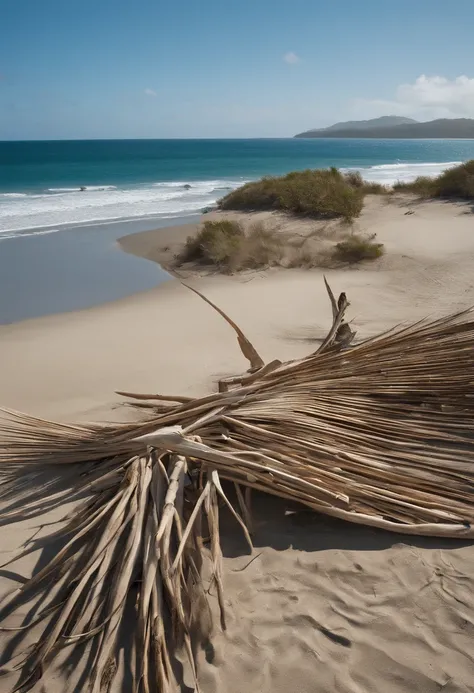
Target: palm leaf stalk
(380,434)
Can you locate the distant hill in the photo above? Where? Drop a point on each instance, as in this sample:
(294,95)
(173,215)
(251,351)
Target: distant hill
(455,128)
(383,121)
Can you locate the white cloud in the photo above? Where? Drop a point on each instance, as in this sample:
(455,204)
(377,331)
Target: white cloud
(150,92)
(291,58)
(426,97)
(456,96)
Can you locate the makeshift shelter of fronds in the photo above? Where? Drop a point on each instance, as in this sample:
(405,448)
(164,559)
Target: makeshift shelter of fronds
(380,433)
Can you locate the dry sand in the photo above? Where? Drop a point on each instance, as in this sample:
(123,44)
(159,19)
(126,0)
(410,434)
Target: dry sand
(324,606)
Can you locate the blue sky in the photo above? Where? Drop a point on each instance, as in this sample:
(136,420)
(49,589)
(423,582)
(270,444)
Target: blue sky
(209,68)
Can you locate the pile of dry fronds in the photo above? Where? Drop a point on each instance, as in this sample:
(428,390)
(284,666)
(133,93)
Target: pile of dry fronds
(379,434)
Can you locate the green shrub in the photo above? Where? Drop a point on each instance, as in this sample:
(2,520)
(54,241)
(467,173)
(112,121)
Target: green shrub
(456,182)
(215,243)
(354,178)
(373,188)
(225,245)
(357,248)
(422,186)
(262,248)
(307,258)
(228,246)
(319,193)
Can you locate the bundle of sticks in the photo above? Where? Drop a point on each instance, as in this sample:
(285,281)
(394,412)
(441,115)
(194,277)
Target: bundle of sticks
(380,434)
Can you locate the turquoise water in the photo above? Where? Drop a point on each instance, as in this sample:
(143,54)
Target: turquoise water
(58,248)
(40,182)
(38,166)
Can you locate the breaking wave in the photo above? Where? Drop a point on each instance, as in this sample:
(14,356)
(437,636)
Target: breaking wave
(60,207)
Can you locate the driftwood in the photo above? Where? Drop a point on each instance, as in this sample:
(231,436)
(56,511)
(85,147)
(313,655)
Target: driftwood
(379,434)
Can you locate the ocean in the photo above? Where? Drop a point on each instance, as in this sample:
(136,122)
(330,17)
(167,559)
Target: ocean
(63,205)
(124,180)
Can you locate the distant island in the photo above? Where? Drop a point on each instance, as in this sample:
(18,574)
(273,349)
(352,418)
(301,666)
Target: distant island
(398,127)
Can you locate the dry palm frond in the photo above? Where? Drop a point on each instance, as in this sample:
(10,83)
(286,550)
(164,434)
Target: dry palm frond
(379,434)
(135,526)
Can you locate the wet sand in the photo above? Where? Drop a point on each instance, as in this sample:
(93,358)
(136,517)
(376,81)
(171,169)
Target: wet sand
(71,269)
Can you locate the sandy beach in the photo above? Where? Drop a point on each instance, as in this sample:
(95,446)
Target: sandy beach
(325,606)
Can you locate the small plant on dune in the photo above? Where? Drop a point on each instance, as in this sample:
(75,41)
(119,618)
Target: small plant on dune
(373,188)
(215,243)
(262,247)
(226,245)
(354,178)
(421,186)
(307,258)
(356,248)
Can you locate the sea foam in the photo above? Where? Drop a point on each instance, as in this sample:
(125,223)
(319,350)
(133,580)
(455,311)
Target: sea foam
(66,207)
(58,208)
(388,174)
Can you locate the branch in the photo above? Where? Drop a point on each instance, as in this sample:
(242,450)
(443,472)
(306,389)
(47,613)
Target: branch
(247,348)
(340,331)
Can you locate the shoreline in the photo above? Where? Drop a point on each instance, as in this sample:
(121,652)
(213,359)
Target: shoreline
(163,245)
(160,245)
(425,271)
(71,269)
(401,223)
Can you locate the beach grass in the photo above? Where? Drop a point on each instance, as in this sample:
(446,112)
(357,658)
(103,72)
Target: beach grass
(354,178)
(454,183)
(323,193)
(358,248)
(230,247)
(226,245)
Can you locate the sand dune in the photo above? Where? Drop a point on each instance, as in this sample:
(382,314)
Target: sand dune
(324,606)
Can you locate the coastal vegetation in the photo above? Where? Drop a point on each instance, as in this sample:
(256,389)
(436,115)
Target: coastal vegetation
(357,248)
(321,193)
(454,183)
(230,247)
(226,245)
(354,178)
